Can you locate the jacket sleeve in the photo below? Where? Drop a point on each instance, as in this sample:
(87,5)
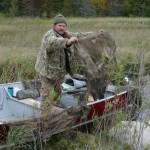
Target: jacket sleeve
(52,42)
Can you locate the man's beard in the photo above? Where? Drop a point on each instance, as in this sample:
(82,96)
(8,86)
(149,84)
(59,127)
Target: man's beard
(61,32)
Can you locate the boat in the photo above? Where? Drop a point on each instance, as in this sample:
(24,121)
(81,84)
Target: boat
(26,111)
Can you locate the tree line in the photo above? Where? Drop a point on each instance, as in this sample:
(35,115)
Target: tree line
(83,8)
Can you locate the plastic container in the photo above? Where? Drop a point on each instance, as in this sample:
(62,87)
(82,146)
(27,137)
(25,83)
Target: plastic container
(11,91)
(110,90)
(16,89)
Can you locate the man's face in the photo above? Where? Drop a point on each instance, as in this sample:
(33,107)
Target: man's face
(60,28)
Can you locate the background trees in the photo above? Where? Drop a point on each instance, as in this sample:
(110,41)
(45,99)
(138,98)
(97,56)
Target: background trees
(84,8)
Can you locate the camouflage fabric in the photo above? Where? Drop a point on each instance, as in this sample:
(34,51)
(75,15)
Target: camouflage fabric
(51,57)
(47,88)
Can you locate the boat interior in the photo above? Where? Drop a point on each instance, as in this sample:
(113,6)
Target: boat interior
(12,109)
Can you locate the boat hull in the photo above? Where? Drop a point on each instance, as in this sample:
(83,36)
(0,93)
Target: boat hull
(104,107)
(20,111)
(107,105)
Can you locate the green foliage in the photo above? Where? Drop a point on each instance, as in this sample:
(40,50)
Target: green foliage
(100,3)
(15,9)
(127,8)
(53,99)
(137,8)
(117,70)
(16,135)
(97,138)
(5,6)
(67,8)
(71,140)
(83,8)
(50,8)
(148,147)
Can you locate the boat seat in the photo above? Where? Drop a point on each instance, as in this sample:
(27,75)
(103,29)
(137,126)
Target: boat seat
(29,101)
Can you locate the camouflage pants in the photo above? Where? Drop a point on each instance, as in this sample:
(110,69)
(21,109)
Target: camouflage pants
(51,92)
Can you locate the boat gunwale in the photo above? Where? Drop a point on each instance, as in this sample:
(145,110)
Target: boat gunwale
(107,98)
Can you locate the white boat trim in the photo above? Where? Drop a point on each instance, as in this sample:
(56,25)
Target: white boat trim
(104,99)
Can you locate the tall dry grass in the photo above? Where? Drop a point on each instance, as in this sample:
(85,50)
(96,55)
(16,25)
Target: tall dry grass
(22,36)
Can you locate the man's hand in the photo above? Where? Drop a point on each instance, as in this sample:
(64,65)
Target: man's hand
(71,41)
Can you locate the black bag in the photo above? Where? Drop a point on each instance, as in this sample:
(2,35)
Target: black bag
(29,93)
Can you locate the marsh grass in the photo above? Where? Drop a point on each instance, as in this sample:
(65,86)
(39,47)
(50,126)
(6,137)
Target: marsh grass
(90,137)
(15,138)
(20,40)
(23,35)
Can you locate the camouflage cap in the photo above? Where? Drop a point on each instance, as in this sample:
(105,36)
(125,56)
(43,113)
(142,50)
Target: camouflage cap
(60,19)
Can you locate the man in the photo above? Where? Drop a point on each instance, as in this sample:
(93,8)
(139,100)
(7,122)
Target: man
(53,60)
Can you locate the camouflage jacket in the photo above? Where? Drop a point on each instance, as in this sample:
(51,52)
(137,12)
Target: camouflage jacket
(51,61)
